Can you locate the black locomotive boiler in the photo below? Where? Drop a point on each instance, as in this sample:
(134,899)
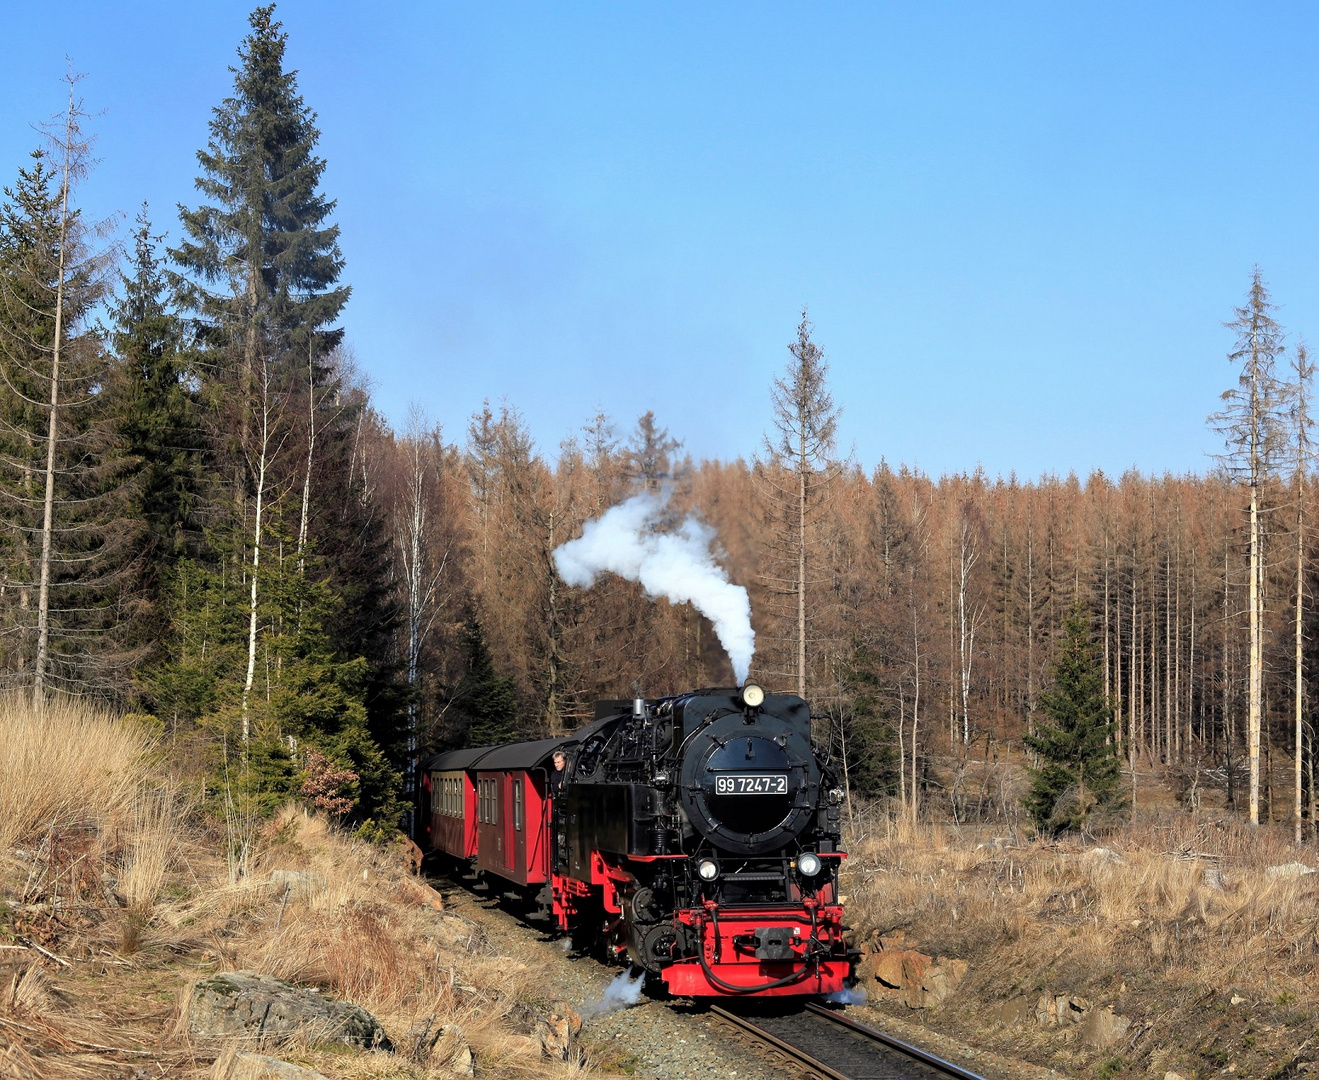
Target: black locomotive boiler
(697,835)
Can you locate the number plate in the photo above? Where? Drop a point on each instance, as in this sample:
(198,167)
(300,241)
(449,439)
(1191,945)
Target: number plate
(751,784)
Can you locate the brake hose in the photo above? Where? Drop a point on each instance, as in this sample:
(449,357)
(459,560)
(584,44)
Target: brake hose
(791,977)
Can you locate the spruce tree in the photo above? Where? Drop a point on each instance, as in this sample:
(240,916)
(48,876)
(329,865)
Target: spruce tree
(291,591)
(1251,422)
(154,424)
(488,700)
(1079,773)
(264,262)
(64,535)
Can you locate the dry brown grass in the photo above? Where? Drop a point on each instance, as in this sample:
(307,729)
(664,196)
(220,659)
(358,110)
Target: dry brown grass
(116,894)
(69,764)
(1165,920)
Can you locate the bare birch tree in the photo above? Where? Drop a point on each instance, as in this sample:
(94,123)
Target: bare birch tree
(269,438)
(424,556)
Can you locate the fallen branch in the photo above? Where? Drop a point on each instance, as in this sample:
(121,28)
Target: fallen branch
(44,952)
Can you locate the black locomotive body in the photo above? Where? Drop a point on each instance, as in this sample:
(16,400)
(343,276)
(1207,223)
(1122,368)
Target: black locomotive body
(697,835)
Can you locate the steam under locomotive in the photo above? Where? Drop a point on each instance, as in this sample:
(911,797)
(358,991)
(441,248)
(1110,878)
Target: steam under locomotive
(697,835)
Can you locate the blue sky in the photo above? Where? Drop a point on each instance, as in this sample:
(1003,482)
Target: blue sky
(1019,227)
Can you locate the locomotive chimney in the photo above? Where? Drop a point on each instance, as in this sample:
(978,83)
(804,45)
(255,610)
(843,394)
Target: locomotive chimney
(639,708)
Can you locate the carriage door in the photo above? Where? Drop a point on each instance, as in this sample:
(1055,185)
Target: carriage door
(511,820)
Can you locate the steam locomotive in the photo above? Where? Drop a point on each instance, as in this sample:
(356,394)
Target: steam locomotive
(696,835)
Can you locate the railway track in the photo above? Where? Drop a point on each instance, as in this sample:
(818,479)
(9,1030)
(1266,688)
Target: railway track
(826,1044)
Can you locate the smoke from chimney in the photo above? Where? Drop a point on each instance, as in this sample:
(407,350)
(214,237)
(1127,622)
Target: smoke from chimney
(678,566)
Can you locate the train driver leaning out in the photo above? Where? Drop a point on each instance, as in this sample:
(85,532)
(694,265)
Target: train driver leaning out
(560,771)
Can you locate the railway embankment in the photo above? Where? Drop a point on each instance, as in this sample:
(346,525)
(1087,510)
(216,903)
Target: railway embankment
(1179,946)
(143,934)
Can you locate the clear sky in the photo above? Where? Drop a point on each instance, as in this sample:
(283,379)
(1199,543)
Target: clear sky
(1019,228)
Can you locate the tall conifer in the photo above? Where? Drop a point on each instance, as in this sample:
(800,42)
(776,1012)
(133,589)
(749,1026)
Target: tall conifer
(63,539)
(297,562)
(1079,772)
(264,262)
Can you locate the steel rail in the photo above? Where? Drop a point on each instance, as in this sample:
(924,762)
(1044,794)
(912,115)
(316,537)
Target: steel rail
(895,1044)
(786,1048)
(830,1072)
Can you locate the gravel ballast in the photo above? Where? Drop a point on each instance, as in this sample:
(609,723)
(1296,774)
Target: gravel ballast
(657,1040)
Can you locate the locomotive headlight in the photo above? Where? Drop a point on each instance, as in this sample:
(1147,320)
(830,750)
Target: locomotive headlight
(808,863)
(753,696)
(707,869)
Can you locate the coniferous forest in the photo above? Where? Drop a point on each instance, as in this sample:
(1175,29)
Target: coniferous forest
(207,525)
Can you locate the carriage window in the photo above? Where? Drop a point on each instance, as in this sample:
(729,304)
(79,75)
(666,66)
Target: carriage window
(517,803)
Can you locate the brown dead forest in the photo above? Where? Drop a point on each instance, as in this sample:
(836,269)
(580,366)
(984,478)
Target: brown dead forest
(934,603)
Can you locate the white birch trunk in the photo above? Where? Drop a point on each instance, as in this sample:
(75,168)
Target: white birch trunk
(253,596)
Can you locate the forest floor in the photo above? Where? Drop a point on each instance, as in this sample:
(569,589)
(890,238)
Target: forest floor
(1179,943)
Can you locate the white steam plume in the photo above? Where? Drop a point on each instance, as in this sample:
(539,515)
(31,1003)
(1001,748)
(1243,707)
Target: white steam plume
(622,992)
(678,566)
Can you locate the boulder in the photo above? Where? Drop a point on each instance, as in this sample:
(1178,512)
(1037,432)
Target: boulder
(418,892)
(1013,1011)
(1059,1010)
(445,1045)
(247,1066)
(554,1030)
(921,981)
(248,1005)
(558,1030)
(1103,1027)
(451,1051)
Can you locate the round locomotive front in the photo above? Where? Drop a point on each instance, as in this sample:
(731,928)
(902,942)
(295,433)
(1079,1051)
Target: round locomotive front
(749,783)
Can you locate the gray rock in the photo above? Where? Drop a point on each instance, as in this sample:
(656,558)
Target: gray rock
(1013,1011)
(452,1050)
(1059,1010)
(248,1005)
(261,1067)
(1103,1027)
(445,1045)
